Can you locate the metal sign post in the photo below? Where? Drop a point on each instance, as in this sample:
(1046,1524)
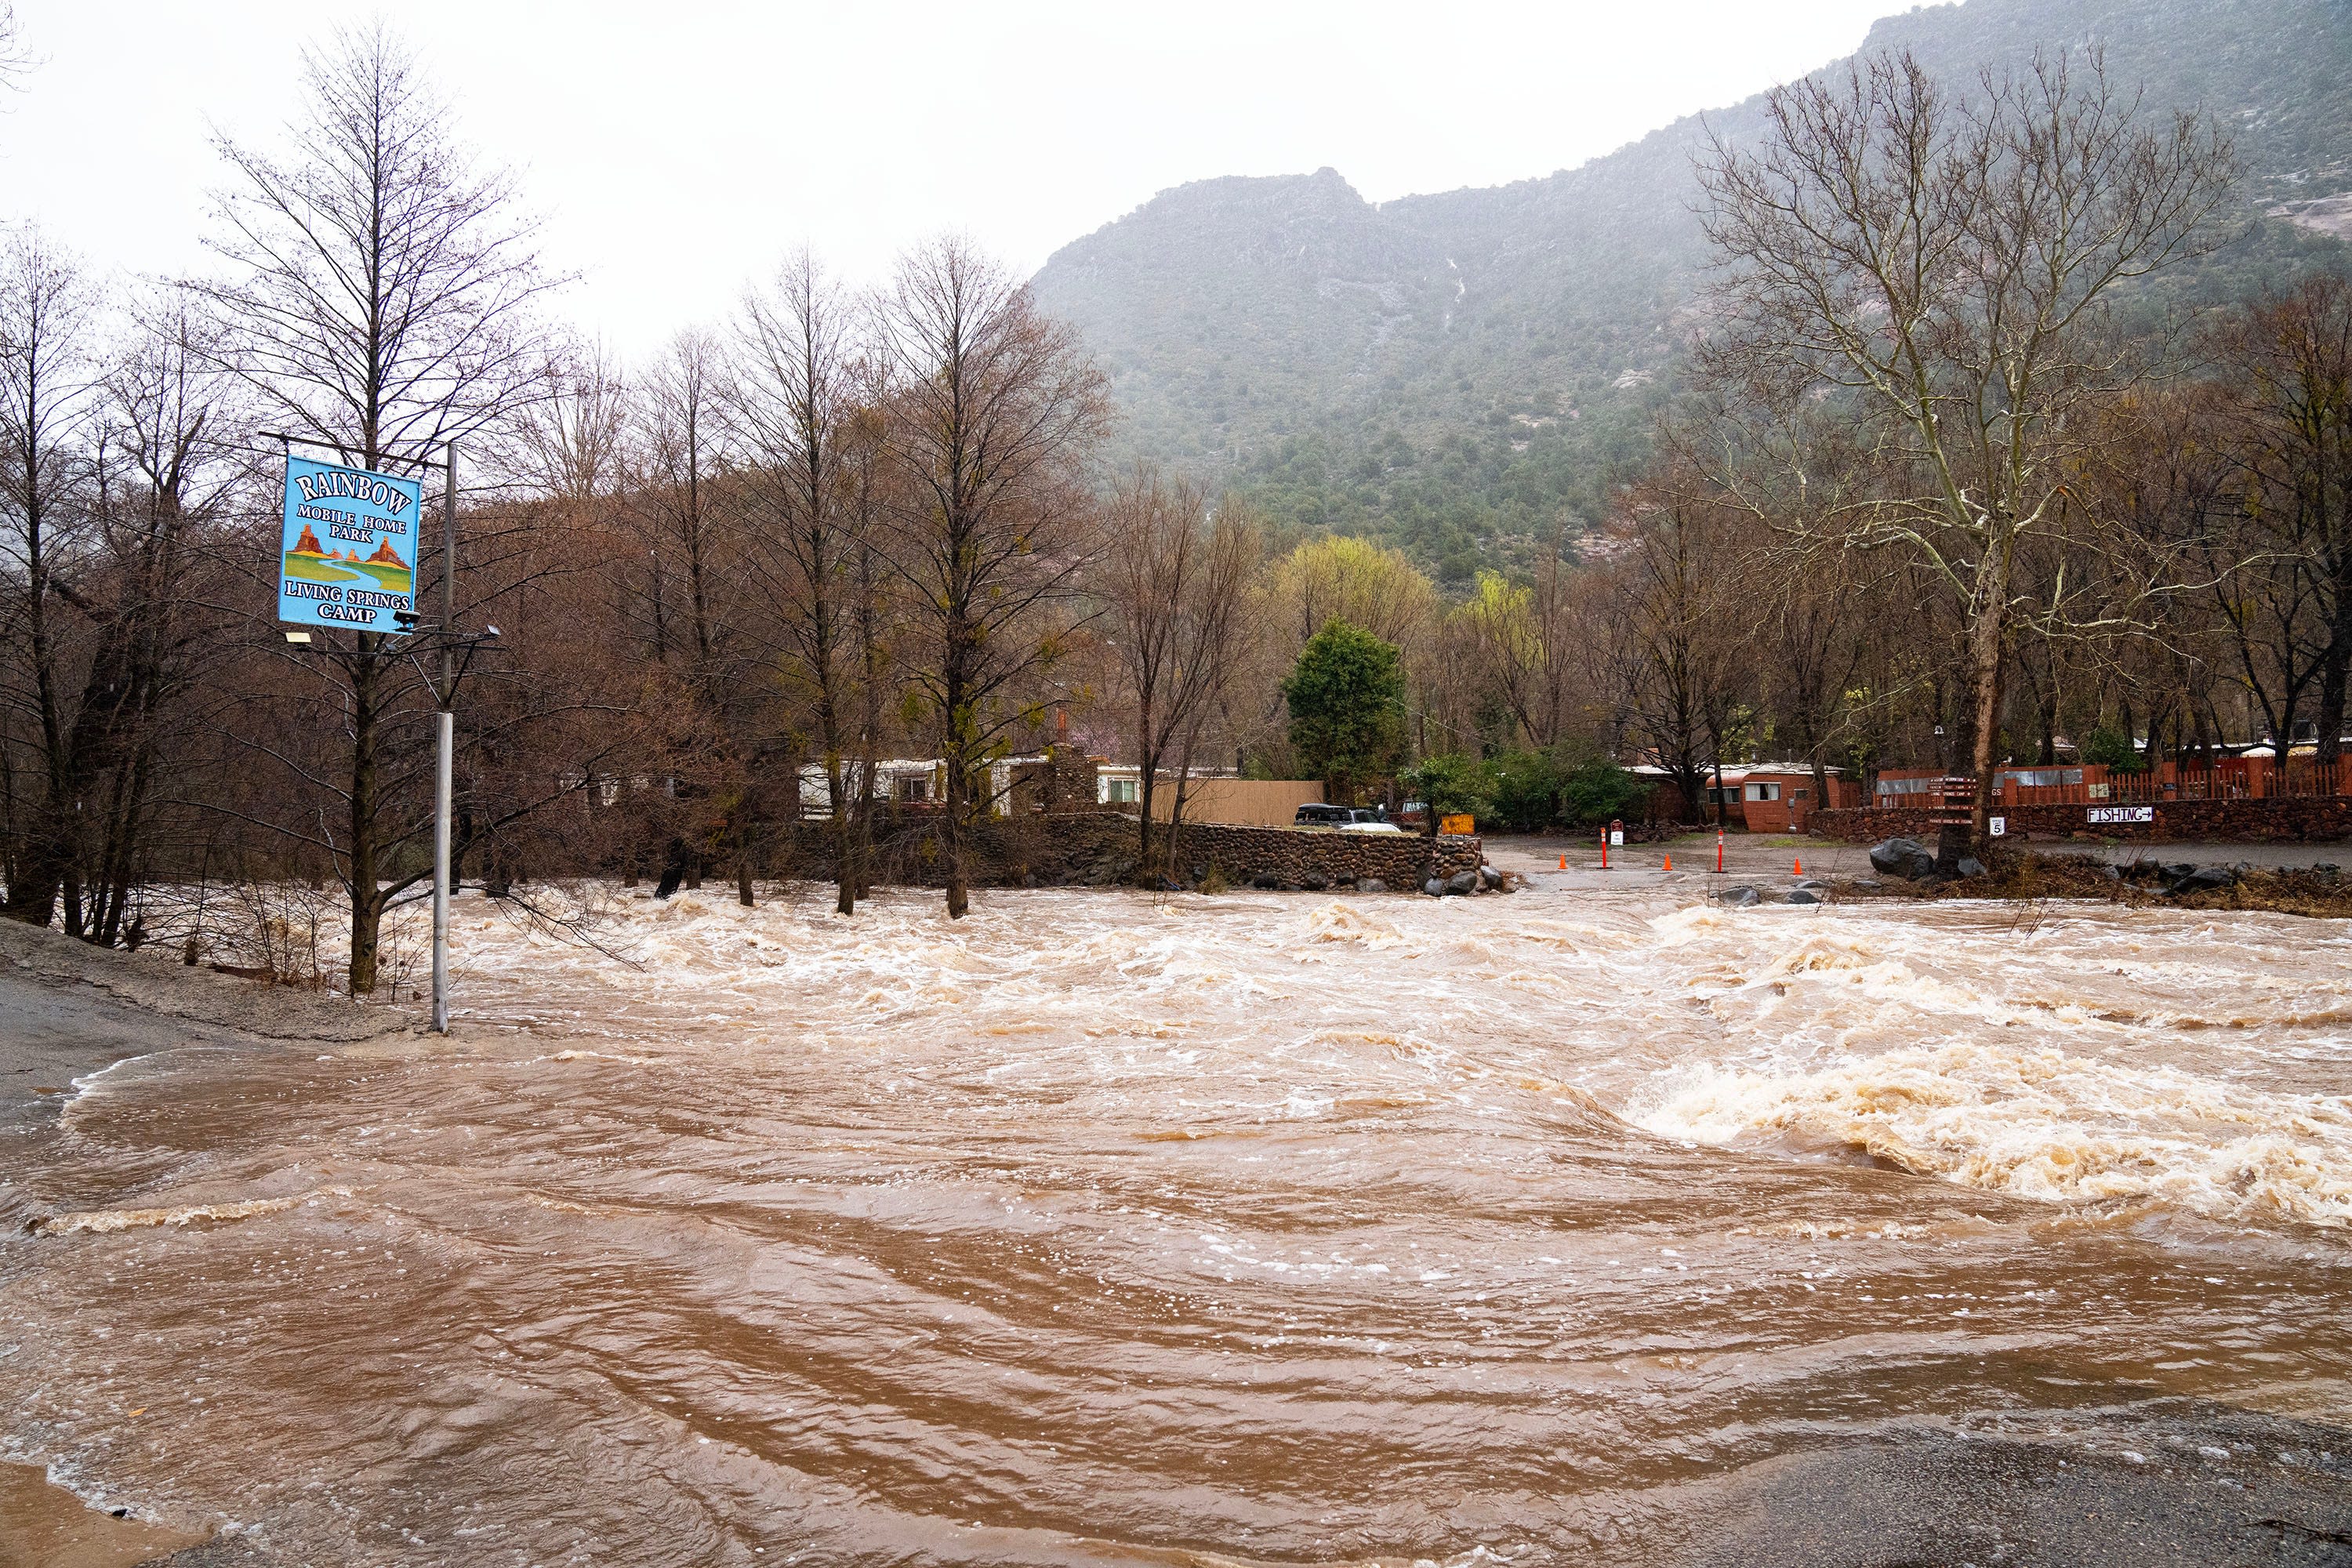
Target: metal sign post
(446,728)
(450,642)
(331,514)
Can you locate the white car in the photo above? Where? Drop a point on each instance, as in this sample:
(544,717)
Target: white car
(1345,818)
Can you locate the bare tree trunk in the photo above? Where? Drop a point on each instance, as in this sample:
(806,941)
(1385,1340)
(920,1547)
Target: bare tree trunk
(846,867)
(873,658)
(367,911)
(1146,789)
(1988,633)
(959,890)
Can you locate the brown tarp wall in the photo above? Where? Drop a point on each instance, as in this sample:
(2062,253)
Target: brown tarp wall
(1249,802)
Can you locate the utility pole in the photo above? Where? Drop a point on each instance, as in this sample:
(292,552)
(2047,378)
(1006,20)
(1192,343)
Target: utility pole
(446,724)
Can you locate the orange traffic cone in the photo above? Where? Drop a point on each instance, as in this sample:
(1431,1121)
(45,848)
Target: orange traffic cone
(1670,862)
(1801,865)
(1563,862)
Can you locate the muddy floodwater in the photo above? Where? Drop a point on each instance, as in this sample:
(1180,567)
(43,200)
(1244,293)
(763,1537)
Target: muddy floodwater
(1250,1228)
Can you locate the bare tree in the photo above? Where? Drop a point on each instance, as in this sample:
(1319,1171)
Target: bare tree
(1175,580)
(48,382)
(1525,640)
(2283,424)
(874,602)
(706,610)
(675,493)
(1939,264)
(1784,466)
(573,440)
(379,298)
(163,507)
(995,412)
(792,397)
(15,59)
(1675,630)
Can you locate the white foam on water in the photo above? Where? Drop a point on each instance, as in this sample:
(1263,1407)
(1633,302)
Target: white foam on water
(2041,1124)
(1343,922)
(107,1222)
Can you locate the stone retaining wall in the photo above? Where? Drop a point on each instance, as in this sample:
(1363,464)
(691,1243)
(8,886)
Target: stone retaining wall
(1099,848)
(2294,819)
(1294,856)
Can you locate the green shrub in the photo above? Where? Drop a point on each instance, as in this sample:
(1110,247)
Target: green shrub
(1595,789)
(1568,786)
(1453,783)
(1525,788)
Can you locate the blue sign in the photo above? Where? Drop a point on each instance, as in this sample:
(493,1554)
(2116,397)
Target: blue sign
(350,548)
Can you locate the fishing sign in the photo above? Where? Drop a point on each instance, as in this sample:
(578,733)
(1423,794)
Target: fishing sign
(350,547)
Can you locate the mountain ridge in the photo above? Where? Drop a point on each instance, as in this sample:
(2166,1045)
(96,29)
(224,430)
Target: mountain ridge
(1464,372)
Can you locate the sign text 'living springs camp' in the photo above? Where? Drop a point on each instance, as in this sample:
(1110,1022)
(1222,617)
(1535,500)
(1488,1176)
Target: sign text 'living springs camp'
(349,555)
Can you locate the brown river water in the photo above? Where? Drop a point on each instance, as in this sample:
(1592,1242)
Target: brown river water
(1249,1228)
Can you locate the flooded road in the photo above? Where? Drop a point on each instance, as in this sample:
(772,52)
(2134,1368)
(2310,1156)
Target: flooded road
(1251,1228)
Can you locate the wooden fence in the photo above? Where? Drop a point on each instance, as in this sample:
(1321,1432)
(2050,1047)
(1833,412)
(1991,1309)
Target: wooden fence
(1242,803)
(2302,777)
(2252,778)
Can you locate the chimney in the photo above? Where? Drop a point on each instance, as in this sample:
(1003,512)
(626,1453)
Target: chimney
(1061,725)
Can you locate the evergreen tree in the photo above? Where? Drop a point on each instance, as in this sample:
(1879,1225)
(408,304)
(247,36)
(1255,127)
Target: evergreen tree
(1346,709)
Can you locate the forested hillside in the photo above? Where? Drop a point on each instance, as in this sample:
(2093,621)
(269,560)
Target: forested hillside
(1461,374)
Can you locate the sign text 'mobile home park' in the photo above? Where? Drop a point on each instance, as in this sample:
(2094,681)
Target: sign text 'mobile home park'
(350,548)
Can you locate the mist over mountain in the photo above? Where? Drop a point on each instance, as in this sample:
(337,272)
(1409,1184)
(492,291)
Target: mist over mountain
(1462,373)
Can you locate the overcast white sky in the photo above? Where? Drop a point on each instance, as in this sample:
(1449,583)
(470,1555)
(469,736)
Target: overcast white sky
(677,148)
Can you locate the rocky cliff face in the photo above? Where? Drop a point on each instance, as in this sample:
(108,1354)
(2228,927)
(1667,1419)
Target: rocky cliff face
(1250,304)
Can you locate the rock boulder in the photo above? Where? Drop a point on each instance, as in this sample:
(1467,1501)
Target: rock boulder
(1904,857)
